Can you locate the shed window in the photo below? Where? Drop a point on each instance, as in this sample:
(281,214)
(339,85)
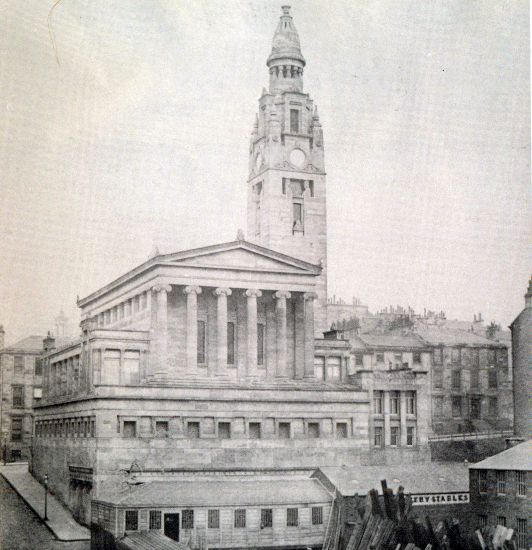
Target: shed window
(240,518)
(155,519)
(132,520)
(266,518)
(292,517)
(187,519)
(317,515)
(213,519)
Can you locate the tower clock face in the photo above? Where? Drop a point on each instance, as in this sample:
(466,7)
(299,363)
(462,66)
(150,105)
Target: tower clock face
(297,158)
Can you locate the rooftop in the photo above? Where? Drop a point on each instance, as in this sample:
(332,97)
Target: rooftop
(218,493)
(28,344)
(453,337)
(392,340)
(432,477)
(515,458)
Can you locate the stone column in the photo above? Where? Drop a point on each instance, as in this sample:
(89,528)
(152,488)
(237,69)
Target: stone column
(309,334)
(192,327)
(387,432)
(221,328)
(280,312)
(252,294)
(402,397)
(160,368)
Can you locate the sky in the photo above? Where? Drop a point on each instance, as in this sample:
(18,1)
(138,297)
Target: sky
(134,131)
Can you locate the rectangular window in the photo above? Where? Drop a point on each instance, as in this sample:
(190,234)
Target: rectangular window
(410,402)
(380,357)
(475,379)
(38,366)
(341,430)
(266,518)
(130,428)
(294,121)
(378,402)
(202,340)
(193,430)
(16,428)
(313,430)
(476,404)
(455,356)
(111,366)
(501,482)
(482,521)
(492,379)
(334,368)
(230,343)
(18,361)
(417,357)
(438,406)
(377,436)
(521,483)
(319,367)
(492,406)
(155,519)
(317,515)
(482,481)
(456,379)
(410,436)
(490,353)
(161,428)
(297,210)
(132,520)
(475,358)
(359,359)
(394,436)
(240,518)
(394,402)
(501,520)
(456,406)
(522,533)
(131,368)
(254,430)
(187,519)
(260,343)
(284,430)
(502,357)
(18,396)
(224,430)
(438,379)
(213,518)
(437,356)
(292,517)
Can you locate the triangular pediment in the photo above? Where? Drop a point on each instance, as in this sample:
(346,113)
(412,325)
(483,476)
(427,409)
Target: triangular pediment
(241,255)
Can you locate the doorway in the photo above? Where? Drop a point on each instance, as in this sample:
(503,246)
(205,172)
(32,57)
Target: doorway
(171,526)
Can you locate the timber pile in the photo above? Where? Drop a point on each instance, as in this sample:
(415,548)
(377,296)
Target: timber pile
(394,528)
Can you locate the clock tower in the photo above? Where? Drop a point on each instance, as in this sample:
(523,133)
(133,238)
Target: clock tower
(286,187)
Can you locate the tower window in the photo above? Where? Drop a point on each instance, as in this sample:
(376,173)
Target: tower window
(294,121)
(311,187)
(297,209)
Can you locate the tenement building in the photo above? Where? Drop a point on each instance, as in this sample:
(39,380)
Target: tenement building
(208,364)
(20,389)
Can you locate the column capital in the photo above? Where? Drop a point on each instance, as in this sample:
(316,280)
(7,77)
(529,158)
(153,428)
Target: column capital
(162,288)
(280,294)
(252,292)
(309,296)
(192,290)
(220,291)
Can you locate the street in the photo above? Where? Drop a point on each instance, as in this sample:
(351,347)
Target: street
(20,529)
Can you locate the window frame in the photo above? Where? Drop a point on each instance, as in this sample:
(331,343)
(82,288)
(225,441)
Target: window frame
(501,482)
(239,518)
(395,436)
(378,432)
(482,481)
(133,514)
(266,518)
(292,517)
(316,515)
(155,517)
(20,402)
(187,519)
(213,518)
(521,483)
(18,431)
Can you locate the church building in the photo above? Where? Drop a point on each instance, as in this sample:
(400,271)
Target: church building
(202,394)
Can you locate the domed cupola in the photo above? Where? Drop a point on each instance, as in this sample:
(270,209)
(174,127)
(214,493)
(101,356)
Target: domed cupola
(286,61)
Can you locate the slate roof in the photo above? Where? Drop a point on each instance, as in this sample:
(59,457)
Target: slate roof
(515,458)
(218,493)
(432,477)
(29,344)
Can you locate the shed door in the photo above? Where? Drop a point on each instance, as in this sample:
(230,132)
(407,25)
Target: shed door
(171,526)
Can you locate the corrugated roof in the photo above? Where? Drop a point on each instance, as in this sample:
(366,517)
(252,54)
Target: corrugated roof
(30,343)
(432,477)
(215,492)
(515,458)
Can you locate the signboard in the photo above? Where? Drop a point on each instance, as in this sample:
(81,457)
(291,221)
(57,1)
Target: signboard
(439,499)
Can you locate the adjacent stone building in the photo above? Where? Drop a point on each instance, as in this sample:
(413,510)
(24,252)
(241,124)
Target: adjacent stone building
(501,492)
(522,368)
(20,389)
